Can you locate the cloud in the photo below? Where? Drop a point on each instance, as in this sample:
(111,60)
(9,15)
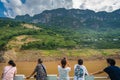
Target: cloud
(12,7)
(97,5)
(32,7)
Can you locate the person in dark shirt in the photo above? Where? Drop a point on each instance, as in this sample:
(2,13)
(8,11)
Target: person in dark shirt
(112,70)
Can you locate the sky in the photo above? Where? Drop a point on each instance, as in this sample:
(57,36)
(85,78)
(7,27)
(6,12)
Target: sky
(11,8)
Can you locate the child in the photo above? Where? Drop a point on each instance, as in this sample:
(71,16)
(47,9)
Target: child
(80,71)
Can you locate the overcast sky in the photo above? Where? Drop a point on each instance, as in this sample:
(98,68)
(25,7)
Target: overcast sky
(11,8)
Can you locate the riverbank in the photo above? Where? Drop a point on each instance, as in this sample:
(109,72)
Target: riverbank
(56,55)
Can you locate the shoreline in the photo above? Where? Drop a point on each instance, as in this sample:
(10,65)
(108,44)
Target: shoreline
(57,55)
(72,58)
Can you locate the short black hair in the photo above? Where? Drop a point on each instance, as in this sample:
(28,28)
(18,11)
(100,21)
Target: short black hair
(111,61)
(40,61)
(80,61)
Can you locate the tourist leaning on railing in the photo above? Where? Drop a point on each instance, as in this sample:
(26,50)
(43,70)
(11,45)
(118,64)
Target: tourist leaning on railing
(112,70)
(9,71)
(80,71)
(40,71)
(64,69)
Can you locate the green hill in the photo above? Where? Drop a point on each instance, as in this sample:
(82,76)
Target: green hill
(60,32)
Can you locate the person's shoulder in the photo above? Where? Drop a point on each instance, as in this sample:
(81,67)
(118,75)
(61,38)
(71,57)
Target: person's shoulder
(112,67)
(39,64)
(7,66)
(15,67)
(83,66)
(59,66)
(107,68)
(75,65)
(117,66)
(68,68)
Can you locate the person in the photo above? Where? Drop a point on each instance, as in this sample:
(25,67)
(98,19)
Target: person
(9,71)
(40,71)
(80,71)
(112,70)
(64,70)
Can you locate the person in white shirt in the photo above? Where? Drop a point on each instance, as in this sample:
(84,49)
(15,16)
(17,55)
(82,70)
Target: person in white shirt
(64,70)
(80,71)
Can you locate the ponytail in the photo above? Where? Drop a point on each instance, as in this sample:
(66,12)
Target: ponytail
(63,62)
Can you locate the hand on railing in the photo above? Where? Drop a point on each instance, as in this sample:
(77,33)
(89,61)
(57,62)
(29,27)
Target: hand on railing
(91,74)
(28,77)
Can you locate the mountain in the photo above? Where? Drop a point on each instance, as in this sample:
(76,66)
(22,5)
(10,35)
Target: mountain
(61,29)
(75,18)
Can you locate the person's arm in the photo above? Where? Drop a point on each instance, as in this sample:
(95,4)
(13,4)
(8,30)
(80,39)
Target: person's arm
(86,71)
(67,62)
(31,75)
(2,75)
(98,72)
(33,72)
(58,67)
(15,71)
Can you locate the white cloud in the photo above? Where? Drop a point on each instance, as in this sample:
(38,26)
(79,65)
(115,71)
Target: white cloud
(32,7)
(12,7)
(97,5)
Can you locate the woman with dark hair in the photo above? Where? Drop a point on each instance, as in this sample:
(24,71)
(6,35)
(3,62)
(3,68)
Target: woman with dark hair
(40,71)
(80,71)
(64,70)
(9,71)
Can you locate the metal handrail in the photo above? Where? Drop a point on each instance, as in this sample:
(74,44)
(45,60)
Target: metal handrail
(100,77)
(103,77)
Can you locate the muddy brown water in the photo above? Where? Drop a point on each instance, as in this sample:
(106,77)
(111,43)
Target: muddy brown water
(26,68)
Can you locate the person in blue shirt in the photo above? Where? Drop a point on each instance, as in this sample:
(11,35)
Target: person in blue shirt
(112,70)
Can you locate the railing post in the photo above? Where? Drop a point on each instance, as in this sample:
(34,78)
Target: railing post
(52,77)
(89,77)
(19,77)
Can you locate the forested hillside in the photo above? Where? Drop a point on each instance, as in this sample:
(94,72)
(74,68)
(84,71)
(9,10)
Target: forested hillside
(53,38)
(61,29)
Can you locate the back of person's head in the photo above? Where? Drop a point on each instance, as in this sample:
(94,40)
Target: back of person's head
(40,61)
(64,57)
(63,62)
(111,61)
(80,61)
(11,62)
